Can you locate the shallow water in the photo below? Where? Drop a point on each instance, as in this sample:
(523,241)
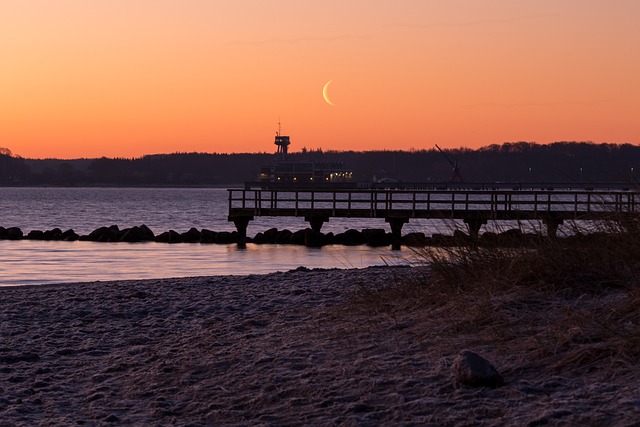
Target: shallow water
(36,262)
(163,209)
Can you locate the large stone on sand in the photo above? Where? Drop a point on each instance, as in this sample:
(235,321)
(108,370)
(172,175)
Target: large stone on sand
(474,370)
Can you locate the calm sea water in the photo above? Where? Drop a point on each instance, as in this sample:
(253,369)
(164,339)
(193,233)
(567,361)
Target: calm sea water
(26,262)
(163,209)
(85,209)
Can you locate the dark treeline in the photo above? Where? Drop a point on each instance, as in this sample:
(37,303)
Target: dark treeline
(509,162)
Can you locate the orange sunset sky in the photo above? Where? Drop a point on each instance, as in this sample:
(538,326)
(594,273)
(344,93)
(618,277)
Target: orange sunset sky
(124,78)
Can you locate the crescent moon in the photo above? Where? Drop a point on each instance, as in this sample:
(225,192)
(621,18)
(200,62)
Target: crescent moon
(324,93)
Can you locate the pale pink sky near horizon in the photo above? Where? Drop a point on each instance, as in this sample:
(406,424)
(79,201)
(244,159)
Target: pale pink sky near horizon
(126,78)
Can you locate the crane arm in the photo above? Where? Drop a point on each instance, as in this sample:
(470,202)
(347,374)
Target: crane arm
(446,157)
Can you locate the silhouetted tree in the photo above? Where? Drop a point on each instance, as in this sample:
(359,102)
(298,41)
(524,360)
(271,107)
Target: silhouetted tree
(13,170)
(509,162)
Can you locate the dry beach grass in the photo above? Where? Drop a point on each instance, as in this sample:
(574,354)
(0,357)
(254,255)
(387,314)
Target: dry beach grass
(347,346)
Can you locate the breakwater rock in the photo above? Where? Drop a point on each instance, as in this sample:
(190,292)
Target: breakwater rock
(374,237)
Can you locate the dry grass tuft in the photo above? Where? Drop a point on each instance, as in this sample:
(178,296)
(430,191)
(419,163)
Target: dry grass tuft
(568,305)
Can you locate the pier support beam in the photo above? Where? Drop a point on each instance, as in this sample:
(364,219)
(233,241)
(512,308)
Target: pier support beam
(316,221)
(241,223)
(552,226)
(396,231)
(474,224)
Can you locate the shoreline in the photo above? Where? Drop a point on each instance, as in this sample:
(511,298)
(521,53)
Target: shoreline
(320,346)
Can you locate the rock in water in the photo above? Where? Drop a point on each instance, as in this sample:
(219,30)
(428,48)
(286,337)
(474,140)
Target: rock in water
(270,235)
(14,233)
(283,237)
(69,235)
(298,237)
(224,237)
(207,236)
(35,235)
(313,239)
(191,236)
(132,235)
(53,234)
(170,236)
(472,369)
(376,237)
(350,237)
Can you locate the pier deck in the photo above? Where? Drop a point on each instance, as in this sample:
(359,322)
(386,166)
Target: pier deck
(397,207)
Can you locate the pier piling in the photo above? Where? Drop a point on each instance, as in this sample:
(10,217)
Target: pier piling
(396,224)
(316,221)
(474,206)
(474,225)
(241,223)
(552,224)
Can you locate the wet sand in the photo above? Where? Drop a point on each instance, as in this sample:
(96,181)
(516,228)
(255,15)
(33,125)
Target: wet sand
(306,347)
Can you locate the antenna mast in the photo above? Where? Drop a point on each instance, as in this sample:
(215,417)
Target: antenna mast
(282,142)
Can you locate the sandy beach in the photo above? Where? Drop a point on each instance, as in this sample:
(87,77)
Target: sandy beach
(305,347)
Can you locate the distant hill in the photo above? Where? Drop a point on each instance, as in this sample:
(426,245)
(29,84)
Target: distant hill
(508,162)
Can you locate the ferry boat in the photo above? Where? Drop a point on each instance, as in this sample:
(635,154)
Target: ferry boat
(285,173)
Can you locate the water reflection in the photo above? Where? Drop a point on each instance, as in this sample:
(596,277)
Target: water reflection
(38,262)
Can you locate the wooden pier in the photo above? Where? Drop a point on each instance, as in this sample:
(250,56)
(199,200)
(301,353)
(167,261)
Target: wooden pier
(397,207)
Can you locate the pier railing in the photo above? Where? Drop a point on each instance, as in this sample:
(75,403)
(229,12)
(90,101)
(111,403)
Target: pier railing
(493,204)
(397,207)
